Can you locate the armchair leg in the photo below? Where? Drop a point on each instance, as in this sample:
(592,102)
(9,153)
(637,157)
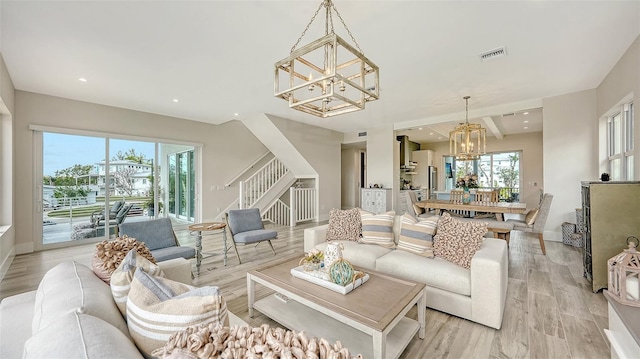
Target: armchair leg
(237,254)
(271,245)
(541,239)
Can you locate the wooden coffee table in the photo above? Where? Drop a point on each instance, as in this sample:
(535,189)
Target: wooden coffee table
(370,320)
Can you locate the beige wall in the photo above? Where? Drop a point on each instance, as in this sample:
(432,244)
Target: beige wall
(227,148)
(349,162)
(321,148)
(621,81)
(570,153)
(531,146)
(7,198)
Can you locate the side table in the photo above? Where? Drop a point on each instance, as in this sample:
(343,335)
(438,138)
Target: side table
(211,228)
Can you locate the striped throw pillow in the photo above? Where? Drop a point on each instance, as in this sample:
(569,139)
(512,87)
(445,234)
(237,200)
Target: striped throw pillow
(417,237)
(377,228)
(158,307)
(122,277)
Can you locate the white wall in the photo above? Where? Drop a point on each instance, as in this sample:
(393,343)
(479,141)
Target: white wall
(570,148)
(227,148)
(381,144)
(7,228)
(350,164)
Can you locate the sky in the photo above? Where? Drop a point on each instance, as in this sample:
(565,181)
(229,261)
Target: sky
(63,151)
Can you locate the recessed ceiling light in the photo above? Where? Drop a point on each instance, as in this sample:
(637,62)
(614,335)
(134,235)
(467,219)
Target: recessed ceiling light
(420,128)
(526,121)
(525,127)
(236,114)
(176,100)
(525,113)
(440,137)
(431,133)
(82,79)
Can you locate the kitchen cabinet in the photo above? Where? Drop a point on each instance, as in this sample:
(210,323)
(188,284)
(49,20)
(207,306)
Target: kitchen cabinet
(376,200)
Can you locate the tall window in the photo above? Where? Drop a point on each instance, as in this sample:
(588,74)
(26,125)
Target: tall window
(620,143)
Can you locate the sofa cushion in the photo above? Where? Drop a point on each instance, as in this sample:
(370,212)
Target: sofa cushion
(344,225)
(158,307)
(76,335)
(417,236)
(14,329)
(109,255)
(457,241)
(359,254)
(72,287)
(377,228)
(434,272)
(123,276)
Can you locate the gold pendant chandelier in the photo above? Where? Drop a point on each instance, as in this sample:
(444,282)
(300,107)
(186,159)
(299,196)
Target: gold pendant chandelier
(328,76)
(468,141)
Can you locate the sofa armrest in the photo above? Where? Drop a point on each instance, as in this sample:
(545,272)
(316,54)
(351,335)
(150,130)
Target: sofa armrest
(314,236)
(489,271)
(177,269)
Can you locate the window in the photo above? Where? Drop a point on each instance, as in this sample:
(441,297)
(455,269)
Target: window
(620,139)
(498,170)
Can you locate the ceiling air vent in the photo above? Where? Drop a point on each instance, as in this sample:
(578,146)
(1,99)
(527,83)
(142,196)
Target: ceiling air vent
(493,54)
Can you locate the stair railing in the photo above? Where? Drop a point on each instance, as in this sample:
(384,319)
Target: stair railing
(303,203)
(277,213)
(254,187)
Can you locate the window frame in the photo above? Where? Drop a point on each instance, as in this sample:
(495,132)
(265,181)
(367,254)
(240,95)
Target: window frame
(620,142)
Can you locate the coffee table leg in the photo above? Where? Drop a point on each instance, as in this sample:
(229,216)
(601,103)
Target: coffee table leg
(379,345)
(251,286)
(422,305)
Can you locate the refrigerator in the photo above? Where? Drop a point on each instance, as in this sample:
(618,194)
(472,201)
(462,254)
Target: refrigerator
(432,181)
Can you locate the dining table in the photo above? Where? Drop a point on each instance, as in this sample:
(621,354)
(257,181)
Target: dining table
(499,208)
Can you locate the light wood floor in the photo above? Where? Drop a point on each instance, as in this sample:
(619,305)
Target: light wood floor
(550,311)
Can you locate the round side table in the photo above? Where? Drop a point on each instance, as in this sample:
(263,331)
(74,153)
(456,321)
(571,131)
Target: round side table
(211,228)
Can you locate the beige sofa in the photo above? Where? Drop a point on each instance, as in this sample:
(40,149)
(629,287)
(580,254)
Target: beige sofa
(477,294)
(73,315)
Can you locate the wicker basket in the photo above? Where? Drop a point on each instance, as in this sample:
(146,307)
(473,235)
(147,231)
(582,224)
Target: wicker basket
(567,230)
(577,239)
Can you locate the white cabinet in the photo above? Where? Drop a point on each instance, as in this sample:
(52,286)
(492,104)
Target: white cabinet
(376,200)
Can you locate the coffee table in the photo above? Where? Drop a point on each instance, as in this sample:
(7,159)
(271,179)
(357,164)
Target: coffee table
(370,320)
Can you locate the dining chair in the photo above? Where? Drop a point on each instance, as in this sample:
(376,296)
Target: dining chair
(246,227)
(456,197)
(486,197)
(535,220)
(413,208)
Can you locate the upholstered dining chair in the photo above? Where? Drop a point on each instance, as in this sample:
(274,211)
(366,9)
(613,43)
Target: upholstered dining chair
(245,226)
(535,220)
(159,237)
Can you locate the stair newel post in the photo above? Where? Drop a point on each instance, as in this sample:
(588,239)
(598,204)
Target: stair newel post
(293,207)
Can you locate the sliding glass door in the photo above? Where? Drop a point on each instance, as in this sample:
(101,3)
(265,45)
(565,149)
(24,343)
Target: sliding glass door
(91,184)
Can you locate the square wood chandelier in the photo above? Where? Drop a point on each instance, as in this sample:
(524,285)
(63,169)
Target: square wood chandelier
(468,141)
(327,77)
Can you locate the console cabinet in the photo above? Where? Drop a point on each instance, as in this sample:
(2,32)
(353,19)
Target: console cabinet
(610,215)
(376,200)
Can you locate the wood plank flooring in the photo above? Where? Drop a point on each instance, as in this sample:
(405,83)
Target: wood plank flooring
(550,311)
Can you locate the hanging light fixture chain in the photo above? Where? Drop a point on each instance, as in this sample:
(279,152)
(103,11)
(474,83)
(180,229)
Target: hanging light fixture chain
(346,28)
(307,28)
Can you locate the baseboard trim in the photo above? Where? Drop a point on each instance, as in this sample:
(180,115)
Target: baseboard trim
(6,263)
(552,236)
(23,248)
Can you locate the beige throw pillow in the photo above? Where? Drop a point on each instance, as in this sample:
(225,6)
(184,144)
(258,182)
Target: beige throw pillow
(377,228)
(344,225)
(530,217)
(123,276)
(417,236)
(158,307)
(458,241)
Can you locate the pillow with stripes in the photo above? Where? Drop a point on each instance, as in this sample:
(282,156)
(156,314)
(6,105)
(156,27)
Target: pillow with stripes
(158,307)
(417,236)
(377,228)
(122,277)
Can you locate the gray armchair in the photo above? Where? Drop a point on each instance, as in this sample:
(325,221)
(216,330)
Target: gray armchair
(159,237)
(246,227)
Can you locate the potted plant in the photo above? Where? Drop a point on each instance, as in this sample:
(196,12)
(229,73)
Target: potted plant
(312,260)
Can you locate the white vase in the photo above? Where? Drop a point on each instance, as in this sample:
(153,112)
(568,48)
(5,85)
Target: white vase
(332,254)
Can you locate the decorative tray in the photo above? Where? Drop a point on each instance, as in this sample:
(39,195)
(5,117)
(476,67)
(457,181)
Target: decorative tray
(321,278)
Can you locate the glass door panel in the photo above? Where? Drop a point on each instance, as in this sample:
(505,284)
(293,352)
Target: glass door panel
(71,187)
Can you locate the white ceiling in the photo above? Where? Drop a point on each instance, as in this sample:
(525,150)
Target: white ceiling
(217,57)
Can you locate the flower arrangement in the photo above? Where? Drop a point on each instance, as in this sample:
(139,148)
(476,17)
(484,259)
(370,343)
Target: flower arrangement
(468,181)
(312,260)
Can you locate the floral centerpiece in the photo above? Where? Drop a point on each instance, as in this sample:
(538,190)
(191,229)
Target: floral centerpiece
(312,260)
(468,181)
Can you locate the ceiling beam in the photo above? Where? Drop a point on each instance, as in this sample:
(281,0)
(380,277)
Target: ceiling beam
(491,125)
